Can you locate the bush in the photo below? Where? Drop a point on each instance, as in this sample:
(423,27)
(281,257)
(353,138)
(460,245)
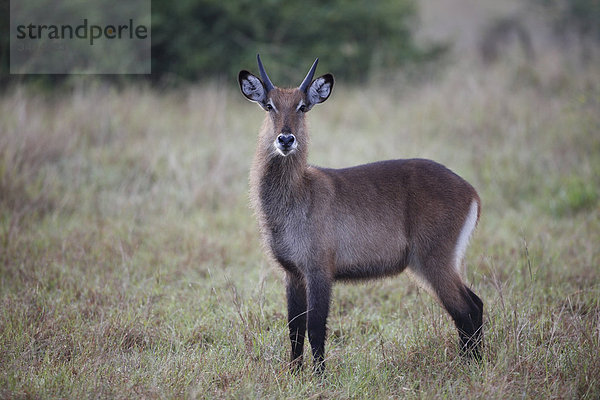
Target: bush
(204,39)
(197,38)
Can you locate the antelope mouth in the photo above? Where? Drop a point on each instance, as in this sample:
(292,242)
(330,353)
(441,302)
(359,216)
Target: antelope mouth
(285,146)
(286,151)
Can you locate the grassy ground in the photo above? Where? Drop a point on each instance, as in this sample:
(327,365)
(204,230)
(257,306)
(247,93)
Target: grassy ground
(130,264)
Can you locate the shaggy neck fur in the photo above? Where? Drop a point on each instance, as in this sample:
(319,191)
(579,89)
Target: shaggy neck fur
(277,181)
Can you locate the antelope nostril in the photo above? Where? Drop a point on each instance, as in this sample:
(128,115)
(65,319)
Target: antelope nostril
(286,140)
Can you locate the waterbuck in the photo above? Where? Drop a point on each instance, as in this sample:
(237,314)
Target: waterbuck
(368,221)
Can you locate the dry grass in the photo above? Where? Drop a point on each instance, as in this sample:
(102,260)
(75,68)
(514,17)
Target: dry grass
(130,264)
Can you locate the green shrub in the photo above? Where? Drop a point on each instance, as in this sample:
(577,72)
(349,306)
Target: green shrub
(195,38)
(204,39)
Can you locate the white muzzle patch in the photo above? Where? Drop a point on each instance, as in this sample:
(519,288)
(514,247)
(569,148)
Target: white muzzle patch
(285,150)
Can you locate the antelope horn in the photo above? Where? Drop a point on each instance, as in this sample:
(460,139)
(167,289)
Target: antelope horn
(264,76)
(309,76)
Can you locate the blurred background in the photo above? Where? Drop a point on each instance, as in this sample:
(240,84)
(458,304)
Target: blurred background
(200,40)
(130,262)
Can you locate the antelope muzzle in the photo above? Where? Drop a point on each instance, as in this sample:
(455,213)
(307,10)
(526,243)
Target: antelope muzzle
(286,144)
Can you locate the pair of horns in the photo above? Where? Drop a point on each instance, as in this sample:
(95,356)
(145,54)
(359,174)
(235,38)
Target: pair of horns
(269,85)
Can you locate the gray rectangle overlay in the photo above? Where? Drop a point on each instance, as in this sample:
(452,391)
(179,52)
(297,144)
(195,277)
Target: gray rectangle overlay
(80,37)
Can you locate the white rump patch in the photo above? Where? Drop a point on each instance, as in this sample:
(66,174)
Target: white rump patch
(318,91)
(253,88)
(465,235)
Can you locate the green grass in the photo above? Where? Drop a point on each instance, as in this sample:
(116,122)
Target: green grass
(131,266)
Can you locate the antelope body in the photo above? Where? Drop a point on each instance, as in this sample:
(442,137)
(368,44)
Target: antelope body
(368,221)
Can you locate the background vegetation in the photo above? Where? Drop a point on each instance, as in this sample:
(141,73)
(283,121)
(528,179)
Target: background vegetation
(199,40)
(130,263)
(353,38)
(204,39)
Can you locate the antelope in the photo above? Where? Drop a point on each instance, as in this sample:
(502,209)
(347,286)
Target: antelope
(369,221)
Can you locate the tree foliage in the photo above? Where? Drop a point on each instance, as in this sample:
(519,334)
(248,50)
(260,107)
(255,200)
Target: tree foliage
(204,39)
(197,38)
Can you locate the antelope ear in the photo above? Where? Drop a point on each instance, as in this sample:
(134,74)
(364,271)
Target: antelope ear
(252,87)
(319,90)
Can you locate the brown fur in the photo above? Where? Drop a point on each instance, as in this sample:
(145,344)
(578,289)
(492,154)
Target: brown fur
(369,221)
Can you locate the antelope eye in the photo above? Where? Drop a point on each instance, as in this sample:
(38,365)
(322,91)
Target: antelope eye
(303,108)
(268,107)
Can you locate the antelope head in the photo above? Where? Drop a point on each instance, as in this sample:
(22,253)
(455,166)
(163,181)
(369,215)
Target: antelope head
(285,129)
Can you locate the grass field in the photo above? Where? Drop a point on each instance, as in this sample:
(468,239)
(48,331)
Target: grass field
(130,263)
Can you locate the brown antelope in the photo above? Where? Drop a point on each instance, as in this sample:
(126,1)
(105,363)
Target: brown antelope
(364,222)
